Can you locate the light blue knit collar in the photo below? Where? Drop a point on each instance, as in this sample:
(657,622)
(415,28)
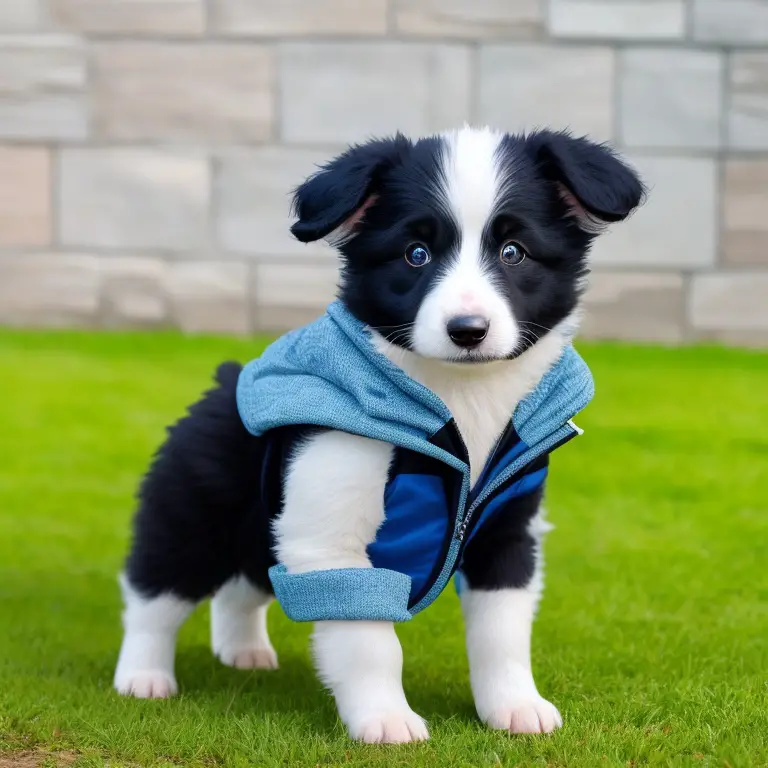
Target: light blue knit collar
(360,335)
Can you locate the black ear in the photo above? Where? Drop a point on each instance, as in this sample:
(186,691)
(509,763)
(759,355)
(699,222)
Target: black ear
(343,187)
(593,181)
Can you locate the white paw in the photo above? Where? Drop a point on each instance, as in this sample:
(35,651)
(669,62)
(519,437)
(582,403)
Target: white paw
(249,658)
(390,728)
(147,684)
(530,714)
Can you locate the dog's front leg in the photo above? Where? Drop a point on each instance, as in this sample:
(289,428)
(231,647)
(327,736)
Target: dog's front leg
(362,663)
(333,506)
(503,582)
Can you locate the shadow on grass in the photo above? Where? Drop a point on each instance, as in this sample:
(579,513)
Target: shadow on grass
(292,687)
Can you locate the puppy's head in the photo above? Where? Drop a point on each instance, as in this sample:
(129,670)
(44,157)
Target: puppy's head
(468,246)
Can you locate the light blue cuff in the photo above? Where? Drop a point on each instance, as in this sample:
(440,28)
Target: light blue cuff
(342,594)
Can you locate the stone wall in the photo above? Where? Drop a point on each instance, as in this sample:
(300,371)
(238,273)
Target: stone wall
(147,148)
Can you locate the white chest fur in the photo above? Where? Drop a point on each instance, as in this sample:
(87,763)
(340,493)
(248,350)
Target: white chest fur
(481,398)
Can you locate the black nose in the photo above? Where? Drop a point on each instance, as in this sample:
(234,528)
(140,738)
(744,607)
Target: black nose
(467,330)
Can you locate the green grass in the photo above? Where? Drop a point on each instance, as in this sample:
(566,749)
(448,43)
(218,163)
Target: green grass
(652,637)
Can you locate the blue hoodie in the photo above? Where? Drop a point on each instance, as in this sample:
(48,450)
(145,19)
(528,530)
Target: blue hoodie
(329,374)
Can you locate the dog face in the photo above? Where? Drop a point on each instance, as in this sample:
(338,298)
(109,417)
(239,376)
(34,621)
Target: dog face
(468,246)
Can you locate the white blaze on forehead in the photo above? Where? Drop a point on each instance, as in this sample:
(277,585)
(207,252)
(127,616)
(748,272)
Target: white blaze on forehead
(471,176)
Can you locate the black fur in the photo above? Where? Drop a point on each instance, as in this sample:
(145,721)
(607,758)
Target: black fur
(503,553)
(329,197)
(601,182)
(200,518)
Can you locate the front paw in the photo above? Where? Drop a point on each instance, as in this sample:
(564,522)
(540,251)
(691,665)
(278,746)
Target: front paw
(396,727)
(523,714)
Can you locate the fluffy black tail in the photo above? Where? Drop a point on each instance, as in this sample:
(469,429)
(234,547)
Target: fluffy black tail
(227,374)
(215,414)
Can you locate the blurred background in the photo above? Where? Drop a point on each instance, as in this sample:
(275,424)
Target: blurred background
(148,147)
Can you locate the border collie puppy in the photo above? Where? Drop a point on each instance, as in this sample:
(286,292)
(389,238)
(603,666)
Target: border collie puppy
(400,440)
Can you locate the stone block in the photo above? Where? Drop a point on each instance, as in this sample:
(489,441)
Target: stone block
(745,212)
(182,91)
(733,22)
(133,198)
(469,19)
(209,296)
(290,295)
(133,291)
(341,92)
(641,306)
(295,285)
(277,320)
(300,17)
(618,19)
(20,15)
(730,305)
(49,289)
(677,226)
(527,86)
(748,104)
(42,87)
(25,196)
(670,98)
(252,191)
(128,17)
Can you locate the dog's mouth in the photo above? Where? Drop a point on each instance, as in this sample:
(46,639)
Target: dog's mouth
(469,357)
(478,356)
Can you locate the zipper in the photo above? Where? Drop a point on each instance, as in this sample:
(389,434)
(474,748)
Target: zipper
(560,436)
(460,452)
(453,555)
(489,461)
(459,535)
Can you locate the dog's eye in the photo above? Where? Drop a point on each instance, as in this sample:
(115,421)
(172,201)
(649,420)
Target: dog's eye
(417,255)
(512,253)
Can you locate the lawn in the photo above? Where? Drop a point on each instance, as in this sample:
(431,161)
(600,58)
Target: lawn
(652,638)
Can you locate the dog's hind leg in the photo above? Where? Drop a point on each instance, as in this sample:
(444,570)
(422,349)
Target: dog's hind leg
(194,503)
(145,668)
(239,626)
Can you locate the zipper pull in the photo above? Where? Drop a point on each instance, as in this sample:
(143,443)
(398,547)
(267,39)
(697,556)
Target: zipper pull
(462,531)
